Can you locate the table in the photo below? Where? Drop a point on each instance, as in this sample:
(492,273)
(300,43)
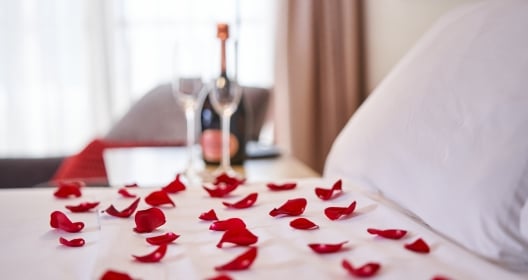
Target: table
(156,166)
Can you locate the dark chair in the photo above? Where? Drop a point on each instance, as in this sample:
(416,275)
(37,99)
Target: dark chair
(27,172)
(158,117)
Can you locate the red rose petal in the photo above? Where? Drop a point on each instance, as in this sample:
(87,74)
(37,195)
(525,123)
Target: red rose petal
(221,277)
(77,242)
(158,198)
(245,202)
(231,223)
(148,220)
(221,190)
(326,248)
(388,233)
(238,236)
(440,277)
(125,213)
(282,187)
(226,179)
(327,194)
(82,207)
(418,246)
(162,239)
(292,207)
(155,256)
(242,262)
(125,193)
(209,216)
(334,213)
(67,189)
(174,186)
(133,185)
(61,221)
(303,223)
(115,275)
(367,270)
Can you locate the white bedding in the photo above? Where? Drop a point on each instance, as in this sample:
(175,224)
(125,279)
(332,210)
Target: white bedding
(445,134)
(30,248)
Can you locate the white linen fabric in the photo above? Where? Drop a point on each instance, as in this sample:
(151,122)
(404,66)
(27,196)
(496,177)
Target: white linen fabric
(31,250)
(445,134)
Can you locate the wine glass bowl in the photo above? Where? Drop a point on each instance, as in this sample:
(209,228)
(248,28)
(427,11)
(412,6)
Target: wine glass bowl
(189,92)
(225,96)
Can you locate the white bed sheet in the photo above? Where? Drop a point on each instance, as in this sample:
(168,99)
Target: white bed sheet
(30,248)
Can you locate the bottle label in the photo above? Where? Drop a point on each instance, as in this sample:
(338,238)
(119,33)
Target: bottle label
(211,142)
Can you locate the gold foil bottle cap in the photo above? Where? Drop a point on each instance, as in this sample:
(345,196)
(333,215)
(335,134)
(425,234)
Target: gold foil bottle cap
(222,31)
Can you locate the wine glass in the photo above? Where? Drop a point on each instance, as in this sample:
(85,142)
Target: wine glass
(225,95)
(190,90)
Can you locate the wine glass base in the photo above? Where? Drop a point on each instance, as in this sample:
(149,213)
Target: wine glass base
(226,170)
(195,174)
(193,177)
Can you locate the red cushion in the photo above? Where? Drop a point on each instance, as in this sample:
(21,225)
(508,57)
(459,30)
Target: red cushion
(88,165)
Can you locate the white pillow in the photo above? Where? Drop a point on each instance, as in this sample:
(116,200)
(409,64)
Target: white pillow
(446,133)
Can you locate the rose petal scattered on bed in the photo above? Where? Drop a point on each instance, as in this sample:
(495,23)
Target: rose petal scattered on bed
(125,193)
(418,246)
(125,213)
(242,262)
(326,248)
(82,207)
(133,185)
(149,220)
(388,233)
(292,207)
(440,277)
(238,236)
(175,186)
(334,213)
(209,216)
(226,179)
(115,275)
(220,190)
(327,194)
(162,239)
(367,270)
(221,277)
(155,256)
(281,187)
(77,242)
(69,189)
(245,202)
(231,223)
(159,198)
(303,223)
(59,220)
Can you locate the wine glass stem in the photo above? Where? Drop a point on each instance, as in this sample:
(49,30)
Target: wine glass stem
(189,115)
(226,158)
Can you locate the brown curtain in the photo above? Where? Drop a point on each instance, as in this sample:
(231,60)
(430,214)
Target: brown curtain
(318,75)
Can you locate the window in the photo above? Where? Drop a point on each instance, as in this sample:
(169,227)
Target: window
(71,68)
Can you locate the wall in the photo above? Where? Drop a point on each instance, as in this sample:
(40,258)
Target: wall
(391,27)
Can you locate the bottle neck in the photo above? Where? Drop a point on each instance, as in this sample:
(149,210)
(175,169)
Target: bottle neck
(223,64)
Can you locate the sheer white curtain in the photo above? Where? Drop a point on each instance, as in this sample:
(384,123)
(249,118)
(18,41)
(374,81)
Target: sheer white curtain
(70,68)
(53,77)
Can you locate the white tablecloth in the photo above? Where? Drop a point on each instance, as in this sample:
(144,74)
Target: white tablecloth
(31,250)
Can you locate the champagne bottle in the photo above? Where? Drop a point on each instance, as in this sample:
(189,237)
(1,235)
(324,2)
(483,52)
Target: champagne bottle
(211,138)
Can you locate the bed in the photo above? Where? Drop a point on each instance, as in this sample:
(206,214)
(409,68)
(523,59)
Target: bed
(31,249)
(444,135)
